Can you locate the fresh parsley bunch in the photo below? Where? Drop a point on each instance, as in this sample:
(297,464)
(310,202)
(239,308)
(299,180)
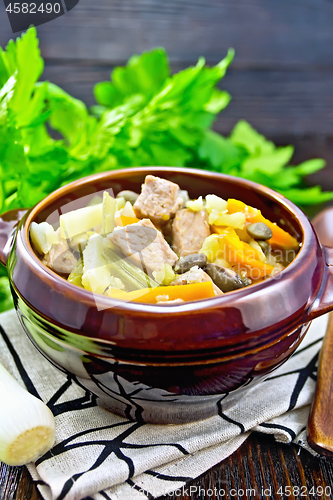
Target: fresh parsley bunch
(248,154)
(144,116)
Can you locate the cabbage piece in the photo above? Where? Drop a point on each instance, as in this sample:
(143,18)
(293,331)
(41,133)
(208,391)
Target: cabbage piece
(212,248)
(195,205)
(109,207)
(43,236)
(80,220)
(236,220)
(165,275)
(216,203)
(97,280)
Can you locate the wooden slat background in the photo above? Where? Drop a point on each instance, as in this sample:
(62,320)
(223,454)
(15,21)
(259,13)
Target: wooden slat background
(281,79)
(278,33)
(273,470)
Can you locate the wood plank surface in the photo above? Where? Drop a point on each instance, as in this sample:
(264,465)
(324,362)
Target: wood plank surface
(288,107)
(260,469)
(281,78)
(276,33)
(294,103)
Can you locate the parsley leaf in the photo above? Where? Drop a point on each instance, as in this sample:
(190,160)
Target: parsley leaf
(267,164)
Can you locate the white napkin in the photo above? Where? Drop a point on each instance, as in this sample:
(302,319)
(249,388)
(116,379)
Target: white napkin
(102,456)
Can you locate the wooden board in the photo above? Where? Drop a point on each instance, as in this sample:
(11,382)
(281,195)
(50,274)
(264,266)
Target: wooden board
(260,469)
(278,103)
(274,34)
(281,78)
(280,81)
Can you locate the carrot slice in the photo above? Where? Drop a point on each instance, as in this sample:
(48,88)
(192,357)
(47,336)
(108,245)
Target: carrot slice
(251,252)
(239,252)
(193,291)
(235,206)
(242,246)
(221,229)
(280,237)
(125,221)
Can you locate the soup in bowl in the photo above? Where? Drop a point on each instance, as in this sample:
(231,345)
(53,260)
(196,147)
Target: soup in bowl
(158,353)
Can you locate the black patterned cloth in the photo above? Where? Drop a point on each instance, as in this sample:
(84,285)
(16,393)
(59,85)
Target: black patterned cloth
(99,455)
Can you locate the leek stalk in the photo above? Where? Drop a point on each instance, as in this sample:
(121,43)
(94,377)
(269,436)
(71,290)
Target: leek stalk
(27,426)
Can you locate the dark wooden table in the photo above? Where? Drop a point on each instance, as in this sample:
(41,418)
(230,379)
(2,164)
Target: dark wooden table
(259,469)
(281,82)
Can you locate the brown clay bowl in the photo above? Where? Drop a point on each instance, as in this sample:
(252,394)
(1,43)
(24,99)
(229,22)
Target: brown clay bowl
(168,364)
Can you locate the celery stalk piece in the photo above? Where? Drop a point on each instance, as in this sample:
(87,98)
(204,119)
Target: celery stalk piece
(120,202)
(80,220)
(116,283)
(108,213)
(101,263)
(79,242)
(96,275)
(43,236)
(93,253)
(75,276)
(165,276)
(131,275)
(97,280)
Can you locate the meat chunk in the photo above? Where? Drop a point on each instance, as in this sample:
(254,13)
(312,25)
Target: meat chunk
(144,245)
(195,275)
(189,231)
(60,259)
(159,200)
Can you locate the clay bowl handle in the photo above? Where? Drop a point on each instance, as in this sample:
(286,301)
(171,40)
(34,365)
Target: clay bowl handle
(8,224)
(320,423)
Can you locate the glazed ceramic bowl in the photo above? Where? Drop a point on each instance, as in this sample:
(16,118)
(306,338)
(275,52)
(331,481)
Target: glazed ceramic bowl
(176,363)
